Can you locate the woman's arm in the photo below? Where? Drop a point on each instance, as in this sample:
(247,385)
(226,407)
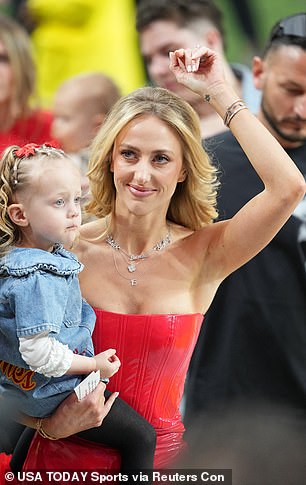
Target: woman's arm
(236,241)
(73,416)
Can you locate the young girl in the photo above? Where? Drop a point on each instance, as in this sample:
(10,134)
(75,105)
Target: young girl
(46,327)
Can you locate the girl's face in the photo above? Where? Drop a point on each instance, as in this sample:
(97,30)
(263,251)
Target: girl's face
(52,212)
(147,163)
(6,75)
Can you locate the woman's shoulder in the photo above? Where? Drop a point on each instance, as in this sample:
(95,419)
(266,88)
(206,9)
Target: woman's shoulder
(92,230)
(90,237)
(186,236)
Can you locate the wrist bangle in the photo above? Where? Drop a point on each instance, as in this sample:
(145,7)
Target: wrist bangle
(105,380)
(232,110)
(42,432)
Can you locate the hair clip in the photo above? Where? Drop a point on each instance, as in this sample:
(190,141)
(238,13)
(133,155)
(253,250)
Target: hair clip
(49,148)
(14,174)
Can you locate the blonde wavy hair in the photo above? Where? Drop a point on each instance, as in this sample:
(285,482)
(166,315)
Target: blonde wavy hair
(193,203)
(18,174)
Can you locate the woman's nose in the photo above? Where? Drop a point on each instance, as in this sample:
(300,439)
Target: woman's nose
(142,172)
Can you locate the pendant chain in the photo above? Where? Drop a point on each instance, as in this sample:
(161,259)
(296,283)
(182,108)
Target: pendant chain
(132,260)
(132,281)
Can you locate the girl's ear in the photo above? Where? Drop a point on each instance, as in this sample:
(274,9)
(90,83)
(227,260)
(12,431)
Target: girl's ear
(17,215)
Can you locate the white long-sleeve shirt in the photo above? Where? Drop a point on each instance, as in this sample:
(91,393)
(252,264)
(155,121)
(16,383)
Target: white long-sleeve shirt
(45,355)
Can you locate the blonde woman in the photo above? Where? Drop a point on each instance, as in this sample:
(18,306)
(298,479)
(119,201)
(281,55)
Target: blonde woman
(153,259)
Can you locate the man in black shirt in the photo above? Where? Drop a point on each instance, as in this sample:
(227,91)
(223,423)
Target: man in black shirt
(252,347)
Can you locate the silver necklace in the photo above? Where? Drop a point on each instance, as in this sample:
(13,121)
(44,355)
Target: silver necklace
(132,281)
(133,259)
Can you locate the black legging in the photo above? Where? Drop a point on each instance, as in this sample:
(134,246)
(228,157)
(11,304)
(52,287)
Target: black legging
(123,428)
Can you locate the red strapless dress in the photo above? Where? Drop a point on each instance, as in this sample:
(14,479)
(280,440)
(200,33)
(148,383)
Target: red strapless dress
(155,351)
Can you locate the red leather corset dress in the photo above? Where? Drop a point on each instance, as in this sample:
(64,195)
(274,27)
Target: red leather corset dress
(155,351)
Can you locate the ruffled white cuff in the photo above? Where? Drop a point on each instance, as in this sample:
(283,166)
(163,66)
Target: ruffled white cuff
(46,355)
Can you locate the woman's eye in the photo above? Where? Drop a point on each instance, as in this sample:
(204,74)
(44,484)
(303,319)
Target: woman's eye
(59,202)
(77,199)
(161,159)
(128,154)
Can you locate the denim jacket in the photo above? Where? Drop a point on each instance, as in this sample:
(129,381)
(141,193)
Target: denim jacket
(39,291)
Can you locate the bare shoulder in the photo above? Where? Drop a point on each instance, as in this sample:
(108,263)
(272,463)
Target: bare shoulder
(90,234)
(195,242)
(204,237)
(179,233)
(205,246)
(92,230)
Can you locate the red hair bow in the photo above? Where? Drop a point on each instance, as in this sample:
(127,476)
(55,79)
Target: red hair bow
(31,148)
(27,150)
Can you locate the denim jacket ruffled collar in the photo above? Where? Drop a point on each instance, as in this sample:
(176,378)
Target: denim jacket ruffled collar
(22,261)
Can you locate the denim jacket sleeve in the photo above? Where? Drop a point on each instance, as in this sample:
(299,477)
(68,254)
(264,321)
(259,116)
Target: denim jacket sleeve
(39,301)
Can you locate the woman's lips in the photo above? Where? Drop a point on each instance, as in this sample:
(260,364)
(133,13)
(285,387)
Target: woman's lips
(140,191)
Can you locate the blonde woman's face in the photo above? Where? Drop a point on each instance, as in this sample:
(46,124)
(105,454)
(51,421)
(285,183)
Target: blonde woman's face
(147,164)
(6,75)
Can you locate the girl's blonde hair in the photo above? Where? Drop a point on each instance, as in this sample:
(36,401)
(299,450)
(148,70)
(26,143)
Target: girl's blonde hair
(193,203)
(18,174)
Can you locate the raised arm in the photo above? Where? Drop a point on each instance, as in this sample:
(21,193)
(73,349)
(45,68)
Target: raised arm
(236,241)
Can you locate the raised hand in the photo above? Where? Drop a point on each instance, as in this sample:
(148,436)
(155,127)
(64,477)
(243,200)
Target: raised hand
(200,69)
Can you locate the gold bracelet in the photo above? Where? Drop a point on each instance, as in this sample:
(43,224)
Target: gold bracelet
(42,432)
(232,110)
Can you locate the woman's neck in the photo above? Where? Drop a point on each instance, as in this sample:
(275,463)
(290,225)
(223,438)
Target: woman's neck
(138,236)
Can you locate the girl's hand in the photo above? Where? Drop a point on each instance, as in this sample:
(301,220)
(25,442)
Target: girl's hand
(107,362)
(200,69)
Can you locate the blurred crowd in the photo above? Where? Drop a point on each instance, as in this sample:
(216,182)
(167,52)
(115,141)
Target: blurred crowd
(81,35)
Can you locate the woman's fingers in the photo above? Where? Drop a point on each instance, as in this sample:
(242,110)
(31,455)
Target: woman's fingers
(110,401)
(191,59)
